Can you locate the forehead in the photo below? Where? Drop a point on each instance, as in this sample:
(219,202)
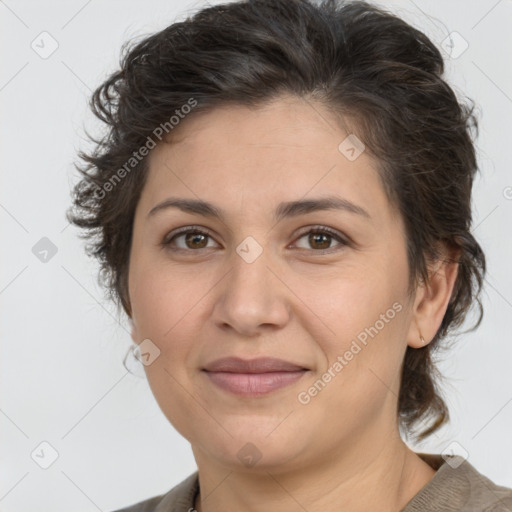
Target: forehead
(241,156)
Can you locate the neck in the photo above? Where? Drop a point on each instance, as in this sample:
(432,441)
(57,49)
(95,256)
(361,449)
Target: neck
(358,480)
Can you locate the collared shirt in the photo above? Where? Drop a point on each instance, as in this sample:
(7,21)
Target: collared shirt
(456,487)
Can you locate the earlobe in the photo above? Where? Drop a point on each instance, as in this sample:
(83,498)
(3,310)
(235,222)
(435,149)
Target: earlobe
(432,300)
(133,330)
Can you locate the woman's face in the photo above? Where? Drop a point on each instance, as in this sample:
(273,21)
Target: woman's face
(255,284)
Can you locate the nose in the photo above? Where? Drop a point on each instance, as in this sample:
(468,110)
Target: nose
(252,297)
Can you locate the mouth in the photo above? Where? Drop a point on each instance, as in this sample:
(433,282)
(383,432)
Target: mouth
(253,377)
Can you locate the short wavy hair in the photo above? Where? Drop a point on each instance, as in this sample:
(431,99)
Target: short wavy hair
(382,76)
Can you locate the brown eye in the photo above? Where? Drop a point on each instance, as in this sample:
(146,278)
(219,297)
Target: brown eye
(320,239)
(196,240)
(187,239)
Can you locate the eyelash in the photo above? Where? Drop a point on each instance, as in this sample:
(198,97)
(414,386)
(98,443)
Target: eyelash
(171,237)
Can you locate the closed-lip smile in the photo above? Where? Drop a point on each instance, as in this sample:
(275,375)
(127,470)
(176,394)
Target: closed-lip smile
(258,365)
(253,377)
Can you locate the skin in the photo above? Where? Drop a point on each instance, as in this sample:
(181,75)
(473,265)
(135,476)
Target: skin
(293,302)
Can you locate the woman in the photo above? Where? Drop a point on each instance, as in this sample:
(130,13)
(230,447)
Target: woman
(282,207)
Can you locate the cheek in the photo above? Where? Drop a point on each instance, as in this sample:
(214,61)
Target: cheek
(344,303)
(358,320)
(161,296)
(170,307)
(166,317)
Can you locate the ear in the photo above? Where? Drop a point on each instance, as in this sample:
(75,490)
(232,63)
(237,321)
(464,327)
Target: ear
(134,334)
(432,298)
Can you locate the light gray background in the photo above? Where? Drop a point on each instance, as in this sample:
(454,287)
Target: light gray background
(62,378)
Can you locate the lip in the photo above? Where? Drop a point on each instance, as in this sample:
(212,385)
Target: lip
(258,365)
(254,377)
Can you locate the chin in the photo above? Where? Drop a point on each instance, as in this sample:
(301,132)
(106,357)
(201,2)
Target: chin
(255,451)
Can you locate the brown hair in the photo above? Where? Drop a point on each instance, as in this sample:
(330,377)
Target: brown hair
(381,75)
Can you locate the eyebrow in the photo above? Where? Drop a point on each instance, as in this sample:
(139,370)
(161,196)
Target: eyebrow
(285,209)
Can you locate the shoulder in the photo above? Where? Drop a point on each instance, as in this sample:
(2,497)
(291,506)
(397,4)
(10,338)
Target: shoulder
(460,485)
(486,494)
(481,493)
(179,498)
